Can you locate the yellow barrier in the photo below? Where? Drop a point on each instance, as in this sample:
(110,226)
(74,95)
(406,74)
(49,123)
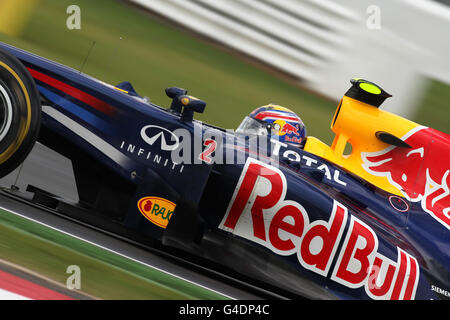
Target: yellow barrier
(14,14)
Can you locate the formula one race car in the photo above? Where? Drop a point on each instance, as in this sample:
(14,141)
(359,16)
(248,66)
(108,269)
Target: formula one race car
(314,222)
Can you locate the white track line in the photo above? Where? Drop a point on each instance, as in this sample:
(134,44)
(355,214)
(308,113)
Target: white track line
(6,295)
(115,252)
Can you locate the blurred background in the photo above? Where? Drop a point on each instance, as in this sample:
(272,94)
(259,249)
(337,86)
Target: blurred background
(240,54)
(236,55)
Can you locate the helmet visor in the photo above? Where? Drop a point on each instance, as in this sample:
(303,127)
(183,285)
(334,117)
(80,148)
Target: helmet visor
(250,126)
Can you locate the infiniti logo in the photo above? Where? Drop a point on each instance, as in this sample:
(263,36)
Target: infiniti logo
(162,134)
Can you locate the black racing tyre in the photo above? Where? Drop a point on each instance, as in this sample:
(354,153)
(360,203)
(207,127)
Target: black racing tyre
(20,113)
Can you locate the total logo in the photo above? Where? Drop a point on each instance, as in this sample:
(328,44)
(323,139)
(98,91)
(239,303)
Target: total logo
(291,155)
(259,212)
(157,210)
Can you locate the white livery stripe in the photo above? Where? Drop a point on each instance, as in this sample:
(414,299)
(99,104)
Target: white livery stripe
(87,135)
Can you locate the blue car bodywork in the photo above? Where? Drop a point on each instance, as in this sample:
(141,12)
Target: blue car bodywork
(305,225)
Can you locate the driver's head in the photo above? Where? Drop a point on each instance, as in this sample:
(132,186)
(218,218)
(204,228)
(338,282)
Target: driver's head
(276,121)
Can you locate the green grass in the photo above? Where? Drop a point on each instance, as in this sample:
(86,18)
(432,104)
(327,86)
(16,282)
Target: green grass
(435,108)
(133,46)
(153,56)
(104,274)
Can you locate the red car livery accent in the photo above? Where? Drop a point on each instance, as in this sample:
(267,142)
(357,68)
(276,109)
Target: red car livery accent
(27,289)
(421,173)
(258,211)
(74,92)
(276,115)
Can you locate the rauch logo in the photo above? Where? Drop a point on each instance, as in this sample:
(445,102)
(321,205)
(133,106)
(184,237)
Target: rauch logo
(157,210)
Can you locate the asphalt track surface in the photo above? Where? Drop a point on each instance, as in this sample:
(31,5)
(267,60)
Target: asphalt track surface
(49,171)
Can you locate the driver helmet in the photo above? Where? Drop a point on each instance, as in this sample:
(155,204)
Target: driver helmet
(275,121)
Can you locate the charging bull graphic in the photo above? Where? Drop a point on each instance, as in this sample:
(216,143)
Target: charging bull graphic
(290,129)
(284,127)
(421,173)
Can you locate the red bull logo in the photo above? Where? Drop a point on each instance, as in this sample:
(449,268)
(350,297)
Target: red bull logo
(259,211)
(284,128)
(290,129)
(421,173)
(289,132)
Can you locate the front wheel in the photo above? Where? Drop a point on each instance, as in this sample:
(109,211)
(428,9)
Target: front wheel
(20,113)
